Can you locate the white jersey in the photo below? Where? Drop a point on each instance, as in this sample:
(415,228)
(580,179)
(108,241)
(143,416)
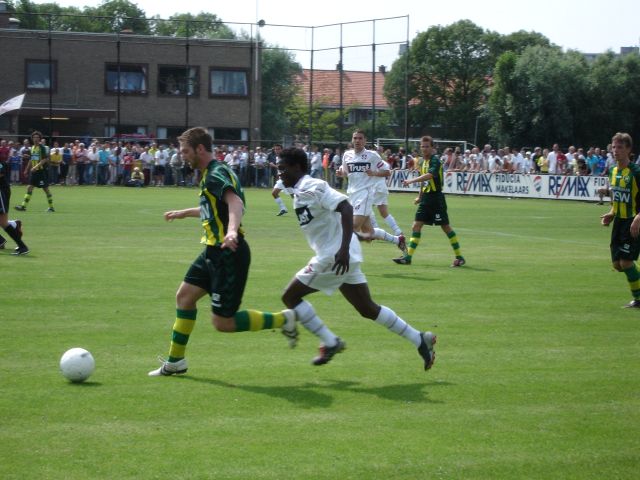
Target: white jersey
(315,203)
(356,165)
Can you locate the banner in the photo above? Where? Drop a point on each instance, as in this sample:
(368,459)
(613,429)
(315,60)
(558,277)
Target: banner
(12,104)
(565,187)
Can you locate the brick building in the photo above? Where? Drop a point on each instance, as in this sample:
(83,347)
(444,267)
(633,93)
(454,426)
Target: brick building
(81,85)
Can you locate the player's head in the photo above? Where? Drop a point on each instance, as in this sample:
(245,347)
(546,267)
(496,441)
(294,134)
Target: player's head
(621,145)
(624,138)
(196,136)
(292,165)
(359,139)
(36,136)
(426,144)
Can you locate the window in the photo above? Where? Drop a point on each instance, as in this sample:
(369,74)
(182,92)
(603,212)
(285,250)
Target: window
(130,131)
(38,76)
(350,118)
(228,82)
(228,134)
(176,80)
(132,79)
(169,133)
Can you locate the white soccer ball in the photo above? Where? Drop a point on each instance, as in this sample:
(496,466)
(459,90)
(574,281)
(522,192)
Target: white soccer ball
(77,364)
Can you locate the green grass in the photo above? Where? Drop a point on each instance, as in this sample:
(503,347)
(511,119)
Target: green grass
(536,373)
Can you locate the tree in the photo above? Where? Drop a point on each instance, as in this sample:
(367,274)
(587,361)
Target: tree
(449,69)
(279,90)
(109,16)
(202,25)
(615,87)
(539,97)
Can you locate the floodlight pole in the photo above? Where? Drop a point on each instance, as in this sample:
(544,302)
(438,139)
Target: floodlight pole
(341,75)
(373,84)
(311,93)
(187,69)
(50,85)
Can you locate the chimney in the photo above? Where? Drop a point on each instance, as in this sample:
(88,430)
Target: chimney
(382,69)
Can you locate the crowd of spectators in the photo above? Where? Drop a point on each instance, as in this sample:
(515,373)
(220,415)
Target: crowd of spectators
(113,163)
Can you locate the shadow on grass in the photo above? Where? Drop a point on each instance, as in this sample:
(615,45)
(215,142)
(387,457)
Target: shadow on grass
(84,384)
(310,395)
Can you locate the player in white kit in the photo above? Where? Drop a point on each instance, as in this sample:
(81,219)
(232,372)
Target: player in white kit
(326,218)
(362,168)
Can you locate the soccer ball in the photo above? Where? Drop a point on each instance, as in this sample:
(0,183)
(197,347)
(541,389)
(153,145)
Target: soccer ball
(77,364)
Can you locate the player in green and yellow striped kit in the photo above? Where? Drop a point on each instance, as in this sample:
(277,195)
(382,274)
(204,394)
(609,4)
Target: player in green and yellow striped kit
(222,268)
(624,181)
(38,173)
(432,206)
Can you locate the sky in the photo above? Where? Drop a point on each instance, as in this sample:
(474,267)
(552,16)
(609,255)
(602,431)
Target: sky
(590,26)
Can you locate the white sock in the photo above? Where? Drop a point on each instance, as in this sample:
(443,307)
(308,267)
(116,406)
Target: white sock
(280,204)
(393,224)
(393,322)
(374,222)
(309,320)
(380,234)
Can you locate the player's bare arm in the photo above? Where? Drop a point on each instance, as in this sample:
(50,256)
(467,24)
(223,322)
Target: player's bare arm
(341,264)
(236,207)
(187,212)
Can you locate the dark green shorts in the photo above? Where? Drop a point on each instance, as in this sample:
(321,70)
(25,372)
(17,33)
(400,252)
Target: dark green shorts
(623,245)
(223,274)
(432,210)
(39,179)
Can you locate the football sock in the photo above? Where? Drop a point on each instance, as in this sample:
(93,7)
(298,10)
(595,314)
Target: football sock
(413,244)
(254,320)
(50,199)
(2,239)
(393,322)
(27,197)
(380,234)
(182,328)
(633,277)
(393,224)
(453,240)
(372,218)
(13,233)
(280,203)
(309,320)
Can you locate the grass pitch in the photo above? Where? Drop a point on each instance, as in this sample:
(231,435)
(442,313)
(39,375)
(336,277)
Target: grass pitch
(536,373)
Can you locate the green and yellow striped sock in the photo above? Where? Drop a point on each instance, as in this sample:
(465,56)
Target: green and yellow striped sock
(182,328)
(633,277)
(254,320)
(413,244)
(50,199)
(27,197)
(453,240)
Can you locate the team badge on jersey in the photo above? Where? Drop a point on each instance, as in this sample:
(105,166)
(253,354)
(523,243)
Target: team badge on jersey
(304,215)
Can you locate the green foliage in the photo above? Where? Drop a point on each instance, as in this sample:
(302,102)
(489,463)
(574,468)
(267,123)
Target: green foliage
(544,96)
(534,377)
(279,91)
(202,25)
(614,89)
(448,71)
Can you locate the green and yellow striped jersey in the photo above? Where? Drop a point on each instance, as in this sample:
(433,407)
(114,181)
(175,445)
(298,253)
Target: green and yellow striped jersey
(214,212)
(434,167)
(38,152)
(624,190)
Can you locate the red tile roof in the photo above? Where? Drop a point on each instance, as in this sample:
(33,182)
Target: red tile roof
(356,87)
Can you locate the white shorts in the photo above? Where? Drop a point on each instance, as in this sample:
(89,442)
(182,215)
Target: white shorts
(362,202)
(319,276)
(381,195)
